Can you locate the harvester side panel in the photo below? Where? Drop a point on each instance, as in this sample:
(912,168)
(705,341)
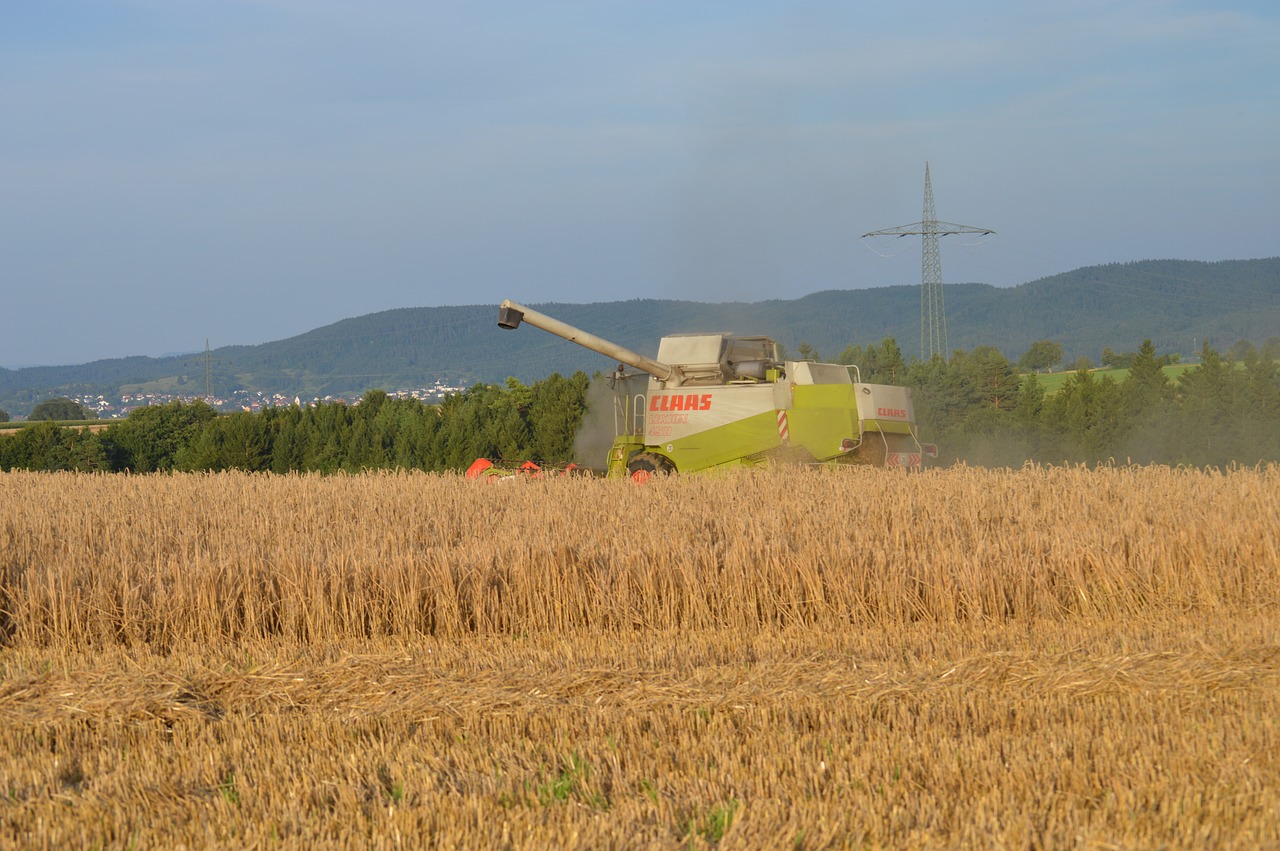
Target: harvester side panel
(808,372)
(686,411)
(886,408)
(823,417)
(730,444)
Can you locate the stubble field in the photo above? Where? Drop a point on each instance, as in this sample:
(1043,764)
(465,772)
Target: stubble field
(784,658)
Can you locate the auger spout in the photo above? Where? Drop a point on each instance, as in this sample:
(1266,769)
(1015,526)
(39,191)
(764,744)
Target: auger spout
(511,314)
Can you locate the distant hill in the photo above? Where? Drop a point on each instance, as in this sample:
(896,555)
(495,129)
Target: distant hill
(1176,303)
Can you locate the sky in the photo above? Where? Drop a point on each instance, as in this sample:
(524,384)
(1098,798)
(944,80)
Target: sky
(242,171)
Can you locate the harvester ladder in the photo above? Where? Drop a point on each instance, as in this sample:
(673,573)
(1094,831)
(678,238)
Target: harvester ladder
(628,414)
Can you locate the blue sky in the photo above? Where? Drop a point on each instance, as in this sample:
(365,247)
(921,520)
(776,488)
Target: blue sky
(245,170)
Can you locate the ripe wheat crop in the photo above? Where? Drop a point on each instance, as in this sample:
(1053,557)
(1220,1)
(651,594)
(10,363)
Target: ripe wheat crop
(804,658)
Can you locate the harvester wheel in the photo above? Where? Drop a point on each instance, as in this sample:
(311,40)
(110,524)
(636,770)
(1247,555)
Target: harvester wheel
(646,465)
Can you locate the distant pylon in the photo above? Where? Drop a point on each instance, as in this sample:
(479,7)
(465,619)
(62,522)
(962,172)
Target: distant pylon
(208,372)
(933,316)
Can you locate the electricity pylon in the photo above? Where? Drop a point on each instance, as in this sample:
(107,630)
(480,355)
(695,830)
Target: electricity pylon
(208,372)
(933,317)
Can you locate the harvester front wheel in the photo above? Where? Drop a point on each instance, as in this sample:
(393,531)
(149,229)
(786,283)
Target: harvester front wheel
(645,465)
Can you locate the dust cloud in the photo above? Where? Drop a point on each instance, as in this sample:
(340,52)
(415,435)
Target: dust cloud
(599,425)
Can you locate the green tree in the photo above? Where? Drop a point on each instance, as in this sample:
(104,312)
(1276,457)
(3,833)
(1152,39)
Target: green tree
(288,443)
(1259,405)
(1029,405)
(555,413)
(371,402)
(992,380)
(882,364)
(1117,360)
(504,423)
(462,436)
(891,366)
(520,396)
(323,428)
(851,355)
(1207,411)
(405,427)
(942,399)
(1146,387)
(236,441)
(152,438)
(61,408)
(4,416)
(1240,350)
(49,446)
(1042,354)
(365,442)
(1146,399)
(1085,415)
(981,389)
(364,450)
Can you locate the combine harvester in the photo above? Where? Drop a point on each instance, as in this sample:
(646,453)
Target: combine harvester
(714,401)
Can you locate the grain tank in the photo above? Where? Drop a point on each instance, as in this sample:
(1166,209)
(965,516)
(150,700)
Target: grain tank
(724,400)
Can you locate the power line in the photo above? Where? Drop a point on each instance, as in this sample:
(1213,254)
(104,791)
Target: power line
(208,372)
(933,317)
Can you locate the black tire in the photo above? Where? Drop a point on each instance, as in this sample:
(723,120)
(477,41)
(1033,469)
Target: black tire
(649,464)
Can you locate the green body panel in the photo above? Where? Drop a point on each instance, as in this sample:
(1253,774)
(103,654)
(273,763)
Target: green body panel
(624,446)
(888,426)
(726,445)
(822,417)
(746,442)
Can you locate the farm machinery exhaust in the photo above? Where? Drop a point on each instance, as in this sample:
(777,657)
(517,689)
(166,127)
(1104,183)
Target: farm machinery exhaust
(721,400)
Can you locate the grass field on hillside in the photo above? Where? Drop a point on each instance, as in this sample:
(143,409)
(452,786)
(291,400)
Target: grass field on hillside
(1053,381)
(92,425)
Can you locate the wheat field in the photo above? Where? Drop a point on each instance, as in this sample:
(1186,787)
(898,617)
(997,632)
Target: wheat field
(1045,657)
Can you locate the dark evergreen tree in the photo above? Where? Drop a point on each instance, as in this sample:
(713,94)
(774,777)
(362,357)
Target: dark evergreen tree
(1259,402)
(464,435)
(993,381)
(890,365)
(1146,408)
(1204,433)
(504,422)
(50,447)
(324,427)
(939,399)
(288,443)
(243,442)
(1029,405)
(555,413)
(1085,416)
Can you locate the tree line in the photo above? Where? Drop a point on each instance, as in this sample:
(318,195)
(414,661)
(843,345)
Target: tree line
(982,410)
(979,407)
(514,421)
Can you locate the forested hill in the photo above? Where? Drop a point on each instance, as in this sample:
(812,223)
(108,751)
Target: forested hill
(1178,304)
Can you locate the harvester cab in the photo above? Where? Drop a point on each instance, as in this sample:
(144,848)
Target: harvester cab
(722,400)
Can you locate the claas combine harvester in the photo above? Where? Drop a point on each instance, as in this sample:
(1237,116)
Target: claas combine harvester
(720,400)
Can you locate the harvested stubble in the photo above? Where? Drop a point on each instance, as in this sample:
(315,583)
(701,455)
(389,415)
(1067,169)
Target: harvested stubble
(1046,657)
